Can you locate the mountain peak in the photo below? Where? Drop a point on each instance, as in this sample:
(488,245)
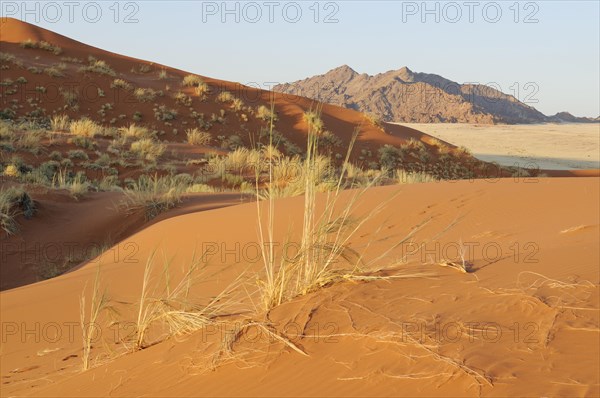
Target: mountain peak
(405,74)
(343,71)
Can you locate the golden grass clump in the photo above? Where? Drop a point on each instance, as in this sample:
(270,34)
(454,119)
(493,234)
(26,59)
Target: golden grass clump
(225,96)
(135,131)
(265,113)
(84,128)
(197,137)
(192,81)
(60,123)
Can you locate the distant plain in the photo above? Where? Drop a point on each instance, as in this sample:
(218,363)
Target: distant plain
(547,146)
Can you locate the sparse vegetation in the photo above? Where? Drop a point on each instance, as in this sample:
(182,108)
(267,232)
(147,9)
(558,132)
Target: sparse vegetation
(42,45)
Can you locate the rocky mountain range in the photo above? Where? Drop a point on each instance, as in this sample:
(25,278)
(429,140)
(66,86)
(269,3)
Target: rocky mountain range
(406,96)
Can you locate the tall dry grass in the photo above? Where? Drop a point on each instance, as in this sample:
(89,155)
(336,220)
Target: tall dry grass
(324,254)
(99,303)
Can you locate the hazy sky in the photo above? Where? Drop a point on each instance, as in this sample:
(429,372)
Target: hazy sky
(546,53)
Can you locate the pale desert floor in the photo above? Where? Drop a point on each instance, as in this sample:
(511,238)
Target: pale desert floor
(547,146)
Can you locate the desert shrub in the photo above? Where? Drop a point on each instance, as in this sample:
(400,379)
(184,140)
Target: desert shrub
(192,81)
(14,201)
(55,155)
(225,96)
(390,157)
(197,137)
(77,154)
(237,104)
(122,84)
(56,70)
(162,113)
(6,57)
(329,140)
(202,90)
(146,94)
(147,149)
(98,66)
(183,99)
(7,113)
(48,169)
(137,117)
(82,142)
(265,113)
(232,142)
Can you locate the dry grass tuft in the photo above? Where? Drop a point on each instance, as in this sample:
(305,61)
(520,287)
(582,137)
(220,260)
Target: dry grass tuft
(84,128)
(197,137)
(99,303)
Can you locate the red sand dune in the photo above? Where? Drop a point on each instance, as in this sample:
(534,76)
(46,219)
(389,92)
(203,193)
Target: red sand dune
(525,323)
(290,108)
(68,229)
